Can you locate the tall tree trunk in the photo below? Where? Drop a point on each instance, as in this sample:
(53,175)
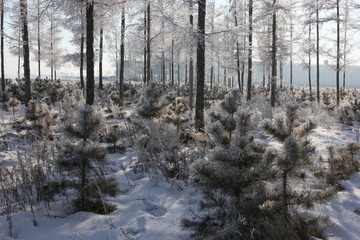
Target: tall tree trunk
(309,59)
(191,62)
(163,74)
(38,39)
(186,73)
(249,83)
(51,48)
(2,52)
(274,58)
(90,80)
(101,59)
(200,64)
(19,54)
(237,51)
(218,71)
(291,46)
(172,62)
(317,54)
(281,72)
(337,52)
(263,74)
(178,75)
(145,44)
(345,40)
(148,43)
(25,38)
(122,56)
(212,47)
(82,43)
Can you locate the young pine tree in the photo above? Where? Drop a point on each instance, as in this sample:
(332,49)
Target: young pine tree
(232,176)
(83,158)
(150,105)
(228,107)
(176,114)
(291,131)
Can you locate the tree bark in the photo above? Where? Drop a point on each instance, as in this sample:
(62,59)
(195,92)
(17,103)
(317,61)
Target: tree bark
(200,63)
(2,52)
(191,62)
(122,56)
(25,38)
(19,54)
(163,74)
(337,52)
(148,44)
(345,40)
(145,44)
(101,59)
(90,81)
(172,62)
(291,47)
(237,51)
(317,54)
(309,59)
(249,83)
(51,45)
(274,58)
(38,39)
(82,43)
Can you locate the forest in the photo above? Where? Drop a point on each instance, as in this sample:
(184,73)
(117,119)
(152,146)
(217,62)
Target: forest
(166,130)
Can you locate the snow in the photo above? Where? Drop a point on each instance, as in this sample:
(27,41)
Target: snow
(150,208)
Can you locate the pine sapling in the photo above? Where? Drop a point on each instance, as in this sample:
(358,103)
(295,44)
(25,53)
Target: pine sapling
(177,111)
(150,105)
(297,151)
(14,103)
(84,158)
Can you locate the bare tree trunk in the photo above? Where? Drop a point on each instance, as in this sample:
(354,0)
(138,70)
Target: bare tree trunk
(186,73)
(38,39)
(309,59)
(19,55)
(191,63)
(237,52)
(122,56)
(263,74)
(249,83)
(148,44)
(172,62)
(212,47)
(82,43)
(178,75)
(200,63)
(317,54)
(51,49)
(145,44)
(101,59)
(163,74)
(25,38)
(274,58)
(90,80)
(337,52)
(291,47)
(2,52)
(345,40)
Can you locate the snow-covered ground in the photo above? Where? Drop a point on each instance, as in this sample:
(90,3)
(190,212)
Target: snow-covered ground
(152,208)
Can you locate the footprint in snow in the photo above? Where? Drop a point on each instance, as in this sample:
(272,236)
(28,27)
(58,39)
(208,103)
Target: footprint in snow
(155,210)
(135,232)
